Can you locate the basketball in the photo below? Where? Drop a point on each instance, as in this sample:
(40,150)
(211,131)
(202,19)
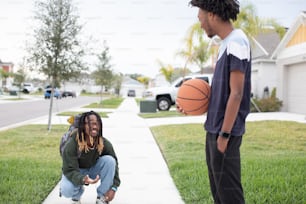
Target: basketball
(193,96)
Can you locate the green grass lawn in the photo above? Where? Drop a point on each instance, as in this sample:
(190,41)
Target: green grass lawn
(30,163)
(112,102)
(161,114)
(273,161)
(72,113)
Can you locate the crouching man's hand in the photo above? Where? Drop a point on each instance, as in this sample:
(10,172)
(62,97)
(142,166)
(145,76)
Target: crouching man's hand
(87,180)
(109,195)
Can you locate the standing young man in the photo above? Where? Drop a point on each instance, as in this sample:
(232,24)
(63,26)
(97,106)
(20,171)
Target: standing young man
(229,101)
(87,158)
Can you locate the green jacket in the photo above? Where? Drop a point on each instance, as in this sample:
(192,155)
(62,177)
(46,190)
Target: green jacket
(72,162)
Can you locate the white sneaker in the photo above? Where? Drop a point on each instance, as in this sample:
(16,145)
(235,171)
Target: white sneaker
(101,200)
(76,202)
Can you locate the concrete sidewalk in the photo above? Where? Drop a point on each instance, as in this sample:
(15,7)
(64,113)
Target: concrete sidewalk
(145,178)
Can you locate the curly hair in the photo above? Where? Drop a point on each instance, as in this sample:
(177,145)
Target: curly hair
(81,139)
(225,9)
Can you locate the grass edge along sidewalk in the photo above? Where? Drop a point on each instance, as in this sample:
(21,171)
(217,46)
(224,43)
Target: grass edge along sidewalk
(273,161)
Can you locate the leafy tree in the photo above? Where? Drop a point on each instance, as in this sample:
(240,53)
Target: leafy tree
(117,82)
(201,55)
(57,50)
(248,21)
(196,47)
(103,75)
(139,77)
(4,74)
(19,78)
(198,50)
(134,76)
(281,30)
(166,70)
(144,80)
(252,25)
(178,72)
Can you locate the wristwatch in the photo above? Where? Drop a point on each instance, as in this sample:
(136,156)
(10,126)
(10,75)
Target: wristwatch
(225,134)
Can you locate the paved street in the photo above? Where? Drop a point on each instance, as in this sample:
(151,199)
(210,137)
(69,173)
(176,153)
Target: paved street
(13,112)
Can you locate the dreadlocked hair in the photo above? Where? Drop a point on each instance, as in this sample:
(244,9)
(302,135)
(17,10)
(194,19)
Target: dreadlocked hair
(225,9)
(81,138)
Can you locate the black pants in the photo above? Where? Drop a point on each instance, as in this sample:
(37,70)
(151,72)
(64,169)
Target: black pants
(224,170)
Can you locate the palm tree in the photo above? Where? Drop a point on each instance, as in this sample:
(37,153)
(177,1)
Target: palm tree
(198,50)
(248,21)
(252,25)
(201,55)
(196,47)
(144,80)
(166,70)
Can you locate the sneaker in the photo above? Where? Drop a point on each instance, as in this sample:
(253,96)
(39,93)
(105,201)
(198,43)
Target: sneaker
(76,202)
(101,200)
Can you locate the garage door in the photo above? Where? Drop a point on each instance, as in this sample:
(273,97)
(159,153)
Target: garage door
(296,94)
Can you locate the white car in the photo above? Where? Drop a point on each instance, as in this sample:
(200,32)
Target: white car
(165,97)
(28,88)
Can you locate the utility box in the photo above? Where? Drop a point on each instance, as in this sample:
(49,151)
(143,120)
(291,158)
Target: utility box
(147,106)
(13,93)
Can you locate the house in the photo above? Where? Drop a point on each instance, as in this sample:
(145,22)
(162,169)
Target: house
(158,81)
(6,67)
(131,84)
(264,68)
(290,56)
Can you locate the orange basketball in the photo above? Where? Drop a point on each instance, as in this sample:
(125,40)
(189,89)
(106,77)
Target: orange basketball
(193,96)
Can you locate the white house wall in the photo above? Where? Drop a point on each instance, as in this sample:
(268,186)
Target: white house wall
(138,89)
(296,91)
(263,75)
(291,64)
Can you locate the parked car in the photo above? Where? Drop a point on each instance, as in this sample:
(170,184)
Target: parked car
(165,97)
(131,93)
(28,88)
(69,93)
(57,93)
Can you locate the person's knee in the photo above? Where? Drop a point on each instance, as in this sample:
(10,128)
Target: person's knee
(108,161)
(66,189)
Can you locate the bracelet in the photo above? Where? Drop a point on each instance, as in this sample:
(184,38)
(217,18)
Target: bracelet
(114,188)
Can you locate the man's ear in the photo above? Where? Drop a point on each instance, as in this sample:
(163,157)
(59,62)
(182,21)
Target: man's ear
(211,15)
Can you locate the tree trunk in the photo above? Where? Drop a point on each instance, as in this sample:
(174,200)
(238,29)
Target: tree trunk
(101,93)
(51,106)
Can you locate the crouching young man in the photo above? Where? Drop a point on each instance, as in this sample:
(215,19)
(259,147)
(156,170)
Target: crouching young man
(87,158)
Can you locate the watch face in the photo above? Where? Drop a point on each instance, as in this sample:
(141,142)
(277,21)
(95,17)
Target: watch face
(224,134)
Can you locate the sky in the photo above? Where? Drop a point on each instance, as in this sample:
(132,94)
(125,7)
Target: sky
(139,33)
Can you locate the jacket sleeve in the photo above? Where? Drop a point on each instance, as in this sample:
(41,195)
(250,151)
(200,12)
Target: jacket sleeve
(109,150)
(70,162)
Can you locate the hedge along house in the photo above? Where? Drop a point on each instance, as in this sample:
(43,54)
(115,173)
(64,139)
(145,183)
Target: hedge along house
(290,56)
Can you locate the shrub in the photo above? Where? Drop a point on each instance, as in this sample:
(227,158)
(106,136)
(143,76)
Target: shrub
(270,104)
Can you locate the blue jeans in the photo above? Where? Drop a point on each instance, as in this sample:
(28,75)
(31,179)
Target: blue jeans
(105,168)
